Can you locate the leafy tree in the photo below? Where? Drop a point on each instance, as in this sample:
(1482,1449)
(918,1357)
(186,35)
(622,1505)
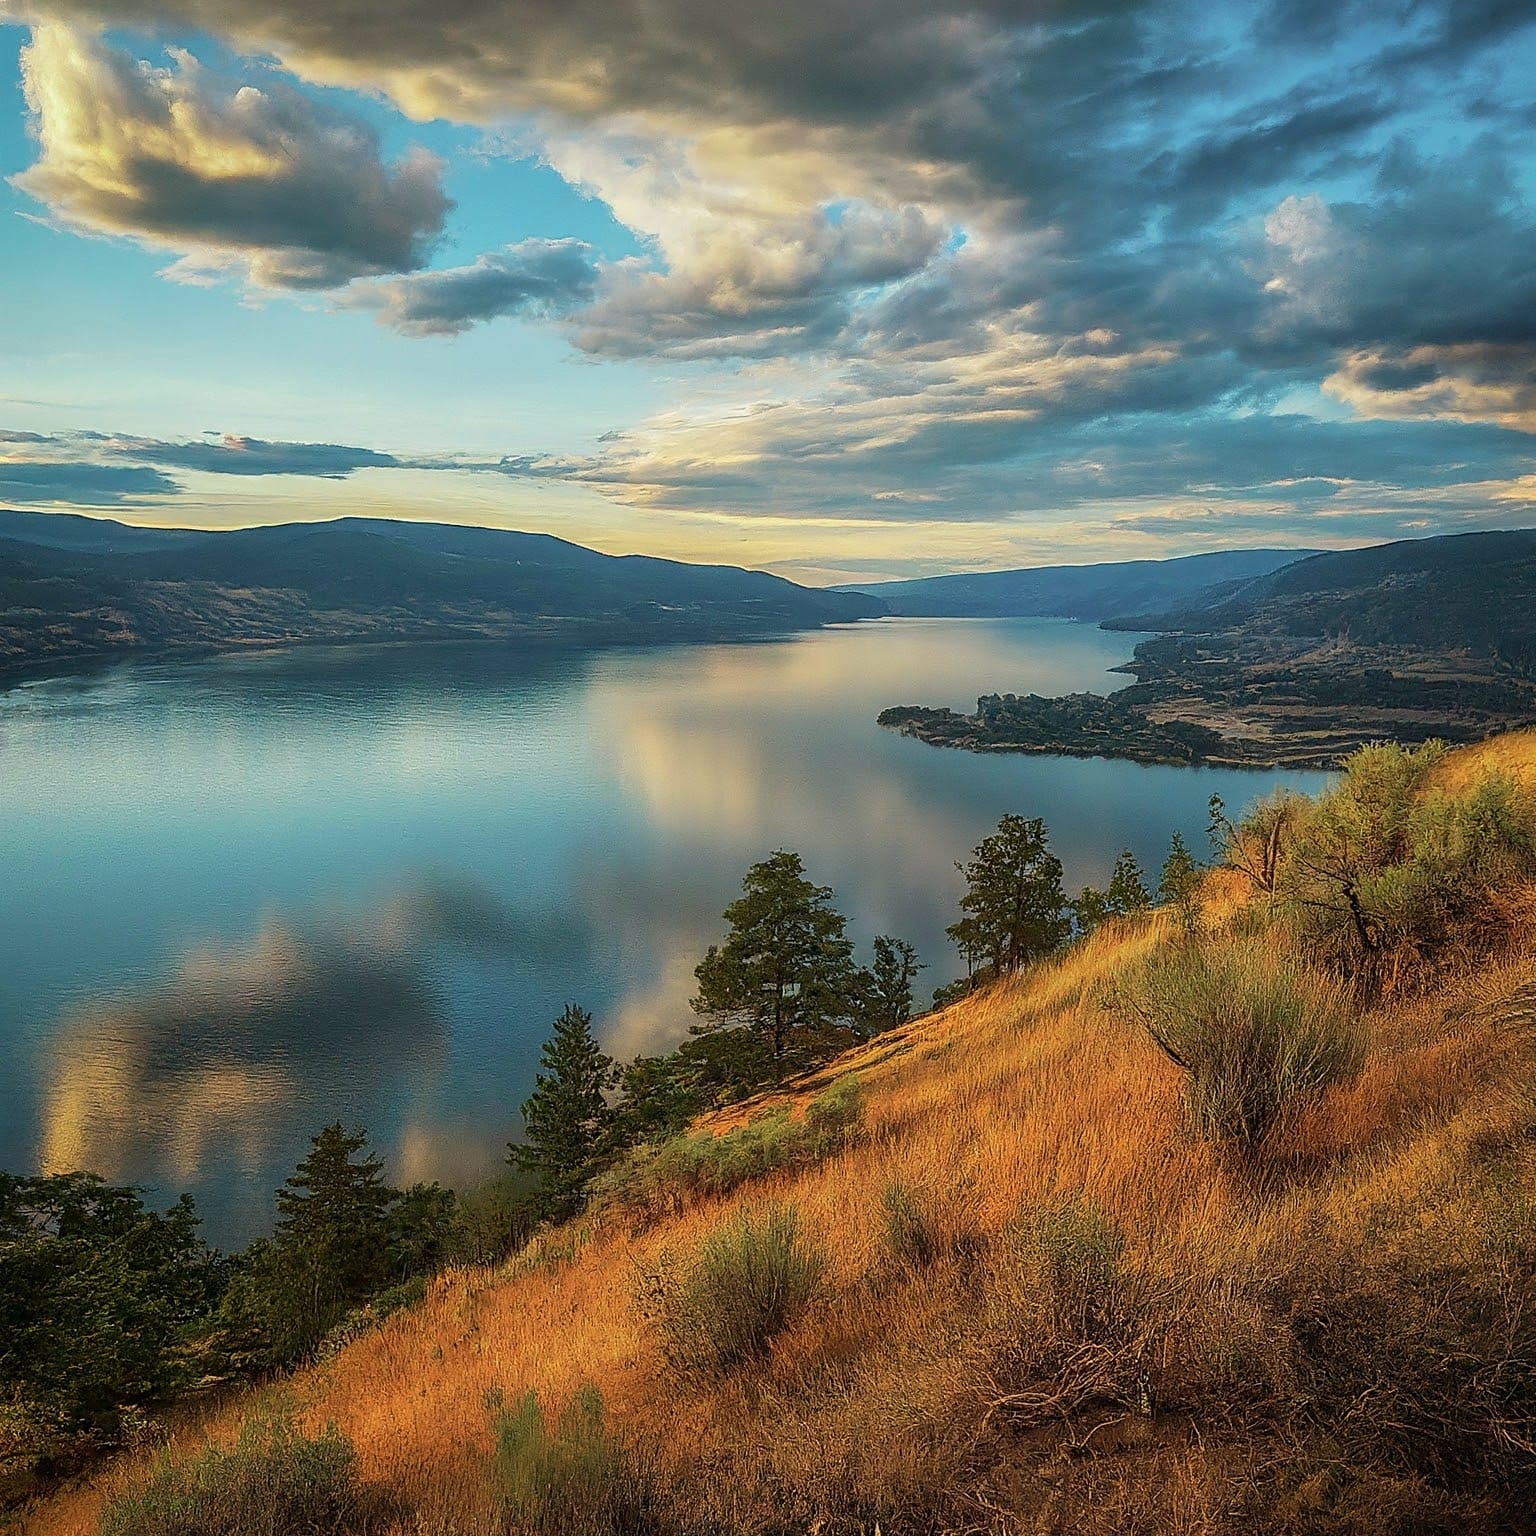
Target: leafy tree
(1014,906)
(785,970)
(888,984)
(566,1118)
(953,991)
(99,1297)
(1180,884)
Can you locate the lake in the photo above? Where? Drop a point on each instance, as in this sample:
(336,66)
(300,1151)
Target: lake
(245,896)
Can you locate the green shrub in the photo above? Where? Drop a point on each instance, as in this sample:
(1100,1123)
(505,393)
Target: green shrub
(745,1285)
(1255,1032)
(576,1478)
(653,1181)
(274,1481)
(1386,882)
(920,1226)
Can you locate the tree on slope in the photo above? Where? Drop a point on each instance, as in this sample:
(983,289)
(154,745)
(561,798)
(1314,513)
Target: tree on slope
(888,990)
(1015,909)
(566,1118)
(785,970)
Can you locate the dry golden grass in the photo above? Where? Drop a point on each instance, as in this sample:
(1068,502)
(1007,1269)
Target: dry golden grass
(922,1399)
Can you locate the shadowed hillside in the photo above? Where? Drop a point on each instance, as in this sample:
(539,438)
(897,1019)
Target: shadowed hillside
(1039,1287)
(77,588)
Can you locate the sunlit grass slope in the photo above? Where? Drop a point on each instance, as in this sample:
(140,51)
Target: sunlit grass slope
(1109,1324)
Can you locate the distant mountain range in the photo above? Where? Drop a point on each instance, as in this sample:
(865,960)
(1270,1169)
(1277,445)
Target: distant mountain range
(78,587)
(1090,592)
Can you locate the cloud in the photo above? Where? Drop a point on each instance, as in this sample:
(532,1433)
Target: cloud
(984,259)
(106,469)
(231,455)
(539,277)
(261,178)
(75,483)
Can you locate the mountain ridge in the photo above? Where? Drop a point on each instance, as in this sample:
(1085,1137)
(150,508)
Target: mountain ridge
(71,592)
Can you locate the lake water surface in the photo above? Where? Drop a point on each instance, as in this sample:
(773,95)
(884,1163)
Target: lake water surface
(242,897)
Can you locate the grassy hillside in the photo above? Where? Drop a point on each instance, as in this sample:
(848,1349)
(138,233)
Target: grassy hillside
(1090,592)
(74,587)
(1049,1303)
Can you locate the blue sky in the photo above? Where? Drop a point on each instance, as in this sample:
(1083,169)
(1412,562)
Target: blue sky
(837,288)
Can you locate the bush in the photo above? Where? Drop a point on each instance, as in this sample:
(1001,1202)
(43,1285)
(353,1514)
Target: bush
(1386,881)
(655,1180)
(1255,1032)
(576,1479)
(274,1481)
(746,1284)
(918,1227)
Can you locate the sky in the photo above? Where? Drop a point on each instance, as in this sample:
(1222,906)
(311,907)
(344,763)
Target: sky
(845,289)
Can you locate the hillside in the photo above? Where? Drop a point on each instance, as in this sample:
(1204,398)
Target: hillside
(1425,638)
(78,588)
(1088,592)
(1472,592)
(1049,1305)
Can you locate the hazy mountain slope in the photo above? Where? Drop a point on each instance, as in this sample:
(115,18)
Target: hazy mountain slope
(85,588)
(1473,592)
(1080,591)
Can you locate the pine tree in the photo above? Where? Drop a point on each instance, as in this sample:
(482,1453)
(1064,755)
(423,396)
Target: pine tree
(786,968)
(332,1215)
(565,1119)
(1180,884)
(1127,890)
(1015,909)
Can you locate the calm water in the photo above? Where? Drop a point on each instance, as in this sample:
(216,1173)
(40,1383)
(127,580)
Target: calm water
(240,898)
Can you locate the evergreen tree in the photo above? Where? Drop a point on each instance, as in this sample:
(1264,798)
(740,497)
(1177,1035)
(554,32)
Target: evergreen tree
(100,1297)
(566,1118)
(785,970)
(888,989)
(1127,892)
(1015,909)
(332,1214)
(332,1250)
(1180,884)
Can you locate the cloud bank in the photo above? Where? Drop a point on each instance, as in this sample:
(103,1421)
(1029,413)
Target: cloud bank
(929,260)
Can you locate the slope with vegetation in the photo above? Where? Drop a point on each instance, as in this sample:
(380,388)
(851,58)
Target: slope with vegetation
(1423,639)
(1220,1217)
(75,588)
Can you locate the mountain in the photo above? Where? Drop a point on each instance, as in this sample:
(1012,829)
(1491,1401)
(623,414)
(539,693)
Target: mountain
(85,587)
(1092,592)
(1468,592)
